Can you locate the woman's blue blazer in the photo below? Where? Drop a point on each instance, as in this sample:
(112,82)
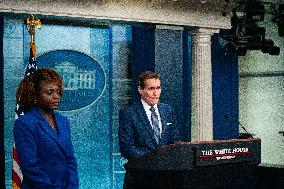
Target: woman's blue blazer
(46,157)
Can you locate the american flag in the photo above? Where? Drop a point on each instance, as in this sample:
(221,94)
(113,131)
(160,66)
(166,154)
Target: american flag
(17,176)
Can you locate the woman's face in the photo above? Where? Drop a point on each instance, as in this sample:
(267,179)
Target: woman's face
(49,96)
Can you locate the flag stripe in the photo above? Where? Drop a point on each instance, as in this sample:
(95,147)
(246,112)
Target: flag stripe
(16,178)
(17,171)
(15,155)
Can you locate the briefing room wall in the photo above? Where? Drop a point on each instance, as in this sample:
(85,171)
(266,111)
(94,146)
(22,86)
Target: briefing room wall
(94,127)
(120,91)
(172,62)
(261,94)
(13,43)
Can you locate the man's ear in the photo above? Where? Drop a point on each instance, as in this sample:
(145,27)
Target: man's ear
(140,90)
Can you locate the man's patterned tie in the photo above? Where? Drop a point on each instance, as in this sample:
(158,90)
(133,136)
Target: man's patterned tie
(155,123)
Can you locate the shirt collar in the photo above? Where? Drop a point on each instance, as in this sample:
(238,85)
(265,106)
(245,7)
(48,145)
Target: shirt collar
(147,106)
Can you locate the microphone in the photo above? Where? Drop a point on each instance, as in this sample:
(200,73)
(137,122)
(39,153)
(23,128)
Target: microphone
(242,135)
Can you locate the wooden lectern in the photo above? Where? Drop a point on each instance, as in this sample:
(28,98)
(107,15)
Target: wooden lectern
(219,164)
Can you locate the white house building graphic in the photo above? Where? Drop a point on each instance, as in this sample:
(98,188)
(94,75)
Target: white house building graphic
(74,78)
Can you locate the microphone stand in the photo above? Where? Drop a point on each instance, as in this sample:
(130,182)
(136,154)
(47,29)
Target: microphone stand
(241,135)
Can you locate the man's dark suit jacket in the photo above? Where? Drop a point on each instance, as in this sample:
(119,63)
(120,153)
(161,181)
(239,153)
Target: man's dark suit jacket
(46,157)
(136,136)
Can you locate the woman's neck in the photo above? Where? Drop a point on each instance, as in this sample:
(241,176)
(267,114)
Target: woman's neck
(50,119)
(46,113)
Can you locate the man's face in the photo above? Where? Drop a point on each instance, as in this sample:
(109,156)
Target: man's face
(151,92)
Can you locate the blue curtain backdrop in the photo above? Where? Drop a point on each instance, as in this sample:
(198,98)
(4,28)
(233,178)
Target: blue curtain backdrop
(143,53)
(224,90)
(187,87)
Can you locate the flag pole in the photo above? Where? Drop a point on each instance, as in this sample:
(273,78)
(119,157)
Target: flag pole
(32,22)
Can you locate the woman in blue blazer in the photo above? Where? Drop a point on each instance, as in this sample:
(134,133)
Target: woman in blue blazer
(42,136)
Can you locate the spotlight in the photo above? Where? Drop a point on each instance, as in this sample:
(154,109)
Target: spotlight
(281,20)
(242,47)
(255,11)
(241,51)
(274,51)
(281,29)
(258,33)
(268,47)
(253,44)
(281,9)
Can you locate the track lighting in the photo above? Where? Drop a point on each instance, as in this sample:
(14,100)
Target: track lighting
(246,34)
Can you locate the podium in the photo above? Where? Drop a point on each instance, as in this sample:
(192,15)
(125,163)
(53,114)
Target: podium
(219,164)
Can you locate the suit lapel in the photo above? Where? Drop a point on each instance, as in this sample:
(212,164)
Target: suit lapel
(47,128)
(141,111)
(61,131)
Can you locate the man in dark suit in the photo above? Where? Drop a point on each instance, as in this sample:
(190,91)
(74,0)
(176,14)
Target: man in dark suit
(147,124)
